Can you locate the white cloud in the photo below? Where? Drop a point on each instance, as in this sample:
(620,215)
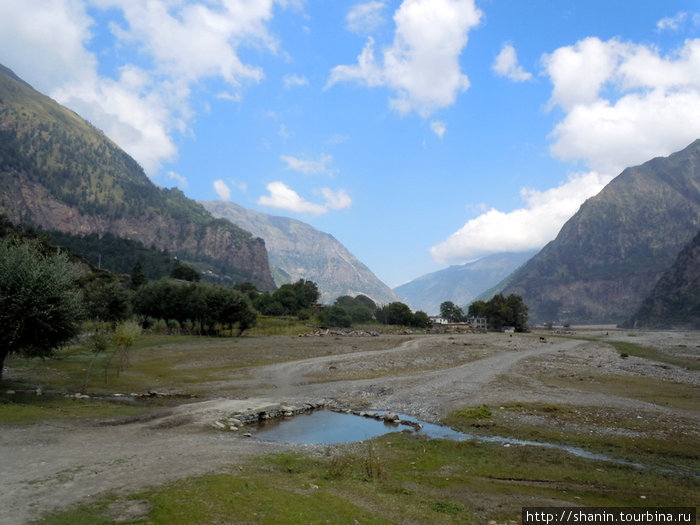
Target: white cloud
(177,43)
(506,65)
(308,167)
(336,200)
(624,103)
(222,189)
(365,17)
(421,66)
(438,127)
(527,228)
(291,81)
(672,23)
(283,197)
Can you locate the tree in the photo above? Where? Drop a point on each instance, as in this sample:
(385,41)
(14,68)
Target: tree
(40,306)
(395,313)
(185,273)
(107,300)
(502,311)
(421,320)
(138,277)
(451,312)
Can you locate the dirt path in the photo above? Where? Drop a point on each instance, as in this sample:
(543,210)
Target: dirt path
(53,465)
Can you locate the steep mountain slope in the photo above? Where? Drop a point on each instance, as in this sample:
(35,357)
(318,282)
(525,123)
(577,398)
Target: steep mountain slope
(460,283)
(610,254)
(675,300)
(60,173)
(302,252)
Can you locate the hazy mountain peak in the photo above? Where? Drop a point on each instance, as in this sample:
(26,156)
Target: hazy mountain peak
(301,251)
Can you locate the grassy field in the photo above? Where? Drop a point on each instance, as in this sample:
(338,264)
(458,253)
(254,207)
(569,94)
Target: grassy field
(398,478)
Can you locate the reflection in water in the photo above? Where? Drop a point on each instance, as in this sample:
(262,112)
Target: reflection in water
(328,427)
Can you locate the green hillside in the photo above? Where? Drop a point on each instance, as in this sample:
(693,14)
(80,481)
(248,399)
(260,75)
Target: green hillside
(59,172)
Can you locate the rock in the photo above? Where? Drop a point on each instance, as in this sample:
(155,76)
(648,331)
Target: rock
(390,417)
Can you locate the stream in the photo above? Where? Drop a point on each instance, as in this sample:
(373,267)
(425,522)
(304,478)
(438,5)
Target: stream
(326,427)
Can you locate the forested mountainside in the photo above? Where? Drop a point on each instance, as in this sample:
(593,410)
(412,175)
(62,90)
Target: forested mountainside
(609,256)
(300,251)
(675,300)
(58,172)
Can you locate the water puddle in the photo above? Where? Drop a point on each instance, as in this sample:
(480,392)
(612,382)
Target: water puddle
(325,427)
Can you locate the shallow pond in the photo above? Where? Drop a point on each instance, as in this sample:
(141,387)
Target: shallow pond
(328,427)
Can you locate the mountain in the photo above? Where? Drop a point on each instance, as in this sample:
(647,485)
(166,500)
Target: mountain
(607,258)
(299,251)
(675,300)
(460,283)
(58,172)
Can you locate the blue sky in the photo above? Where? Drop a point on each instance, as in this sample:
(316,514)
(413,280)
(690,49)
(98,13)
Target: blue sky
(419,133)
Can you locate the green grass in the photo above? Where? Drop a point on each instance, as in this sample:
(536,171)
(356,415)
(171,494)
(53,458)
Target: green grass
(419,481)
(645,352)
(28,408)
(648,439)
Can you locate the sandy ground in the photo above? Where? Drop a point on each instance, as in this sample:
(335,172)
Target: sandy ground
(56,464)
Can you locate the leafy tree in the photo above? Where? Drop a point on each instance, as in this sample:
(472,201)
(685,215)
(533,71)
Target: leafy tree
(360,309)
(185,273)
(266,304)
(502,311)
(336,316)
(395,313)
(451,312)
(138,277)
(421,320)
(40,307)
(106,299)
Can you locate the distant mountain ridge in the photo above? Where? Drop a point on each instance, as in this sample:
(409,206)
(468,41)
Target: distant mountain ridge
(58,172)
(608,257)
(460,283)
(301,251)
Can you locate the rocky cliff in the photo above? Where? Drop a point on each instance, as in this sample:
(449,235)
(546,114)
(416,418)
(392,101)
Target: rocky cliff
(607,258)
(59,172)
(299,251)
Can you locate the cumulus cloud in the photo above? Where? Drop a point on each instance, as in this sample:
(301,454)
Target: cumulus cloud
(506,65)
(526,228)
(282,197)
(623,103)
(365,17)
(177,45)
(222,189)
(308,166)
(421,66)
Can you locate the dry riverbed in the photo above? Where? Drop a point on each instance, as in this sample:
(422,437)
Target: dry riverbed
(535,386)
